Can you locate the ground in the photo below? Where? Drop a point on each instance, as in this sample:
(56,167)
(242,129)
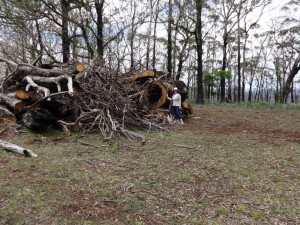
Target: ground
(225,165)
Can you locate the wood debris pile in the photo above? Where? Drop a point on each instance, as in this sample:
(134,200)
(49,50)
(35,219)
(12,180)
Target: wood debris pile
(75,98)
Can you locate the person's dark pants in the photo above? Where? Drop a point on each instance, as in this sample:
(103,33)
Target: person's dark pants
(175,110)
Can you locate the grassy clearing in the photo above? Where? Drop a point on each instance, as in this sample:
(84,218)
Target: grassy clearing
(191,175)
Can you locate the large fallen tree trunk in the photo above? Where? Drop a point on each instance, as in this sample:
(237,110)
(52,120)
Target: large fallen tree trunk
(156,93)
(16,149)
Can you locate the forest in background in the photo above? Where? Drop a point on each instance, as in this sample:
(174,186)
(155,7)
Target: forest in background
(217,47)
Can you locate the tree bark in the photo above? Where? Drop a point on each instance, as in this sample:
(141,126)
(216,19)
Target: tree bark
(287,87)
(169,45)
(155,34)
(99,10)
(199,40)
(66,42)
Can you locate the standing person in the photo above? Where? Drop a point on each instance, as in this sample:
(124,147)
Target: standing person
(176,105)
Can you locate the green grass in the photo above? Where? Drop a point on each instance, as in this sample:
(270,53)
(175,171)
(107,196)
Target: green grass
(223,178)
(256,105)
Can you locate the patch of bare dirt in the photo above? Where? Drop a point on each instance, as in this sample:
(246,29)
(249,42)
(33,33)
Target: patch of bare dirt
(269,126)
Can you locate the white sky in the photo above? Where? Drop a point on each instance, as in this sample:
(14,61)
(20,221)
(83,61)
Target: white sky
(271,12)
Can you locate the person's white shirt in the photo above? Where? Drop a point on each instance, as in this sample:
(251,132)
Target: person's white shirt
(176,100)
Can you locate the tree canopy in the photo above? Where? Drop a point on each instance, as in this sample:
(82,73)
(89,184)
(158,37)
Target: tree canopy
(183,37)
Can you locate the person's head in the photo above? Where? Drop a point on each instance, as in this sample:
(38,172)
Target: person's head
(175,90)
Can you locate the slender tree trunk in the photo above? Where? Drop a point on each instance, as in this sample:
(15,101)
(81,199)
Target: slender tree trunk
(155,34)
(133,5)
(239,57)
(292,92)
(243,68)
(169,46)
(293,72)
(229,90)
(250,93)
(224,62)
(149,35)
(40,41)
(86,40)
(199,40)
(99,10)
(181,60)
(66,42)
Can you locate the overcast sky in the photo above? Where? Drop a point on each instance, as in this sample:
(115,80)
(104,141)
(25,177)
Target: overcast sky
(271,12)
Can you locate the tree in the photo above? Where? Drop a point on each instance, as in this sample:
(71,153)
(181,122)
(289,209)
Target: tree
(169,45)
(225,10)
(155,33)
(20,24)
(99,10)
(66,42)
(199,49)
(183,35)
(243,11)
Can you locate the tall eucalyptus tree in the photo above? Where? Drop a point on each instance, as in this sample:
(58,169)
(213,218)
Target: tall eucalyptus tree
(99,4)
(169,39)
(199,49)
(289,41)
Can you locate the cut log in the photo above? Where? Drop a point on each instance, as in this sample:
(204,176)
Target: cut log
(16,149)
(6,117)
(13,103)
(26,96)
(155,94)
(144,76)
(78,68)
(22,94)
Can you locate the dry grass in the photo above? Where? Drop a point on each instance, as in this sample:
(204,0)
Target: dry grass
(224,166)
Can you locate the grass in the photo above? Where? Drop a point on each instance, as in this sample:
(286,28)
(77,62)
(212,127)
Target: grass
(190,175)
(259,105)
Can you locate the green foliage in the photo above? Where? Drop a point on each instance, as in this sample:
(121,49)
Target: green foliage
(213,77)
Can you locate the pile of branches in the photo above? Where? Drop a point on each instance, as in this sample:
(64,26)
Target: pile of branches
(77,98)
(111,101)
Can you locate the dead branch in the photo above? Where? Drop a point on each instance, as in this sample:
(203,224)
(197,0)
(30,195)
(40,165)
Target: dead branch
(33,80)
(16,149)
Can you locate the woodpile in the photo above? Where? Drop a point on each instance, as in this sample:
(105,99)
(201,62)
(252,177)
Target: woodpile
(75,97)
